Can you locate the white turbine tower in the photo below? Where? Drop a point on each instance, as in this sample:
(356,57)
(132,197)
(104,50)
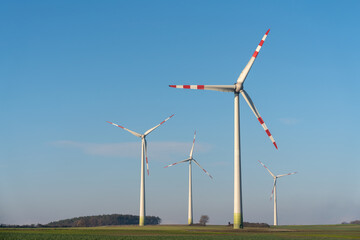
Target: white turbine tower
(236,89)
(190,159)
(274,190)
(143,157)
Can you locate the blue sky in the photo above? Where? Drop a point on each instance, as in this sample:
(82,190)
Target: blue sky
(68,67)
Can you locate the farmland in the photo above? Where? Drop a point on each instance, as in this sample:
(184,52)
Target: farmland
(180,232)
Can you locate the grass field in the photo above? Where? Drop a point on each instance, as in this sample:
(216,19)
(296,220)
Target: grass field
(180,232)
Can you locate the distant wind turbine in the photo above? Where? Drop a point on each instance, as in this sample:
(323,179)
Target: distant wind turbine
(273,192)
(236,89)
(143,155)
(190,159)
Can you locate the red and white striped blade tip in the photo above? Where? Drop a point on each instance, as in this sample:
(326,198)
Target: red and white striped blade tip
(207,173)
(257,115)
(171,165)
(272,194)
(266,130)
(167,119)
(282,175)
(200,87)
(260,44)
(115,124)
(261,163)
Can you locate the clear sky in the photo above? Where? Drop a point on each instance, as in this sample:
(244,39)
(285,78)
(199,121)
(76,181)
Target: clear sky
(67,67)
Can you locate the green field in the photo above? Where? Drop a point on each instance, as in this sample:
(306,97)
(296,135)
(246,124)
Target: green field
(180,232)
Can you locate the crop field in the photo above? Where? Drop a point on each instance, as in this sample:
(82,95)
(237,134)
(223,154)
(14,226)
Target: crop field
(181,232)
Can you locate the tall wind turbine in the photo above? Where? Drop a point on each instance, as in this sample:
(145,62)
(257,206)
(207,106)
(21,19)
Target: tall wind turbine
(274,190)
(143,157)
(190,159)
(236,89)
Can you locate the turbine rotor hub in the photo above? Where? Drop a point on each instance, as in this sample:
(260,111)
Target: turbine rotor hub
(238,87)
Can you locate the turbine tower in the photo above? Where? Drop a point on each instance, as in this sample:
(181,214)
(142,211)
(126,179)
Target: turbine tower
(190,159)
(274,190)
(143,157)
(236,89)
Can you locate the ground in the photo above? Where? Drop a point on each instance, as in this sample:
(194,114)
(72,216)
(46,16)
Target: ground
(181,232)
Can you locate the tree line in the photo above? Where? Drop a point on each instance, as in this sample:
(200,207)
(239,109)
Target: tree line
(94,221)
(352,222)
(104,220)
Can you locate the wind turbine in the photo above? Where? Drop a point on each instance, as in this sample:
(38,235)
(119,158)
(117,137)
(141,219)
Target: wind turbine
(143,155)
(236,89)
(190,159)
(274,190)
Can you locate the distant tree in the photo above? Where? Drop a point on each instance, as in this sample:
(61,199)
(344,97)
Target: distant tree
(259,225)
(355,222)
(152,220)
(204,219)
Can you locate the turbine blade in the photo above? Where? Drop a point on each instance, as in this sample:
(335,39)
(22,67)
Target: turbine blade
(132,132)
(247,68)
(202,168)
(257,114)
(272,192)
(186,160)
(152,129)
(220,88)
(286,174)
(267,169)
(192,148)
(147,163)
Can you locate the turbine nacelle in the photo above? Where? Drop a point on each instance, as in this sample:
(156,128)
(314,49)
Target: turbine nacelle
(238,87)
